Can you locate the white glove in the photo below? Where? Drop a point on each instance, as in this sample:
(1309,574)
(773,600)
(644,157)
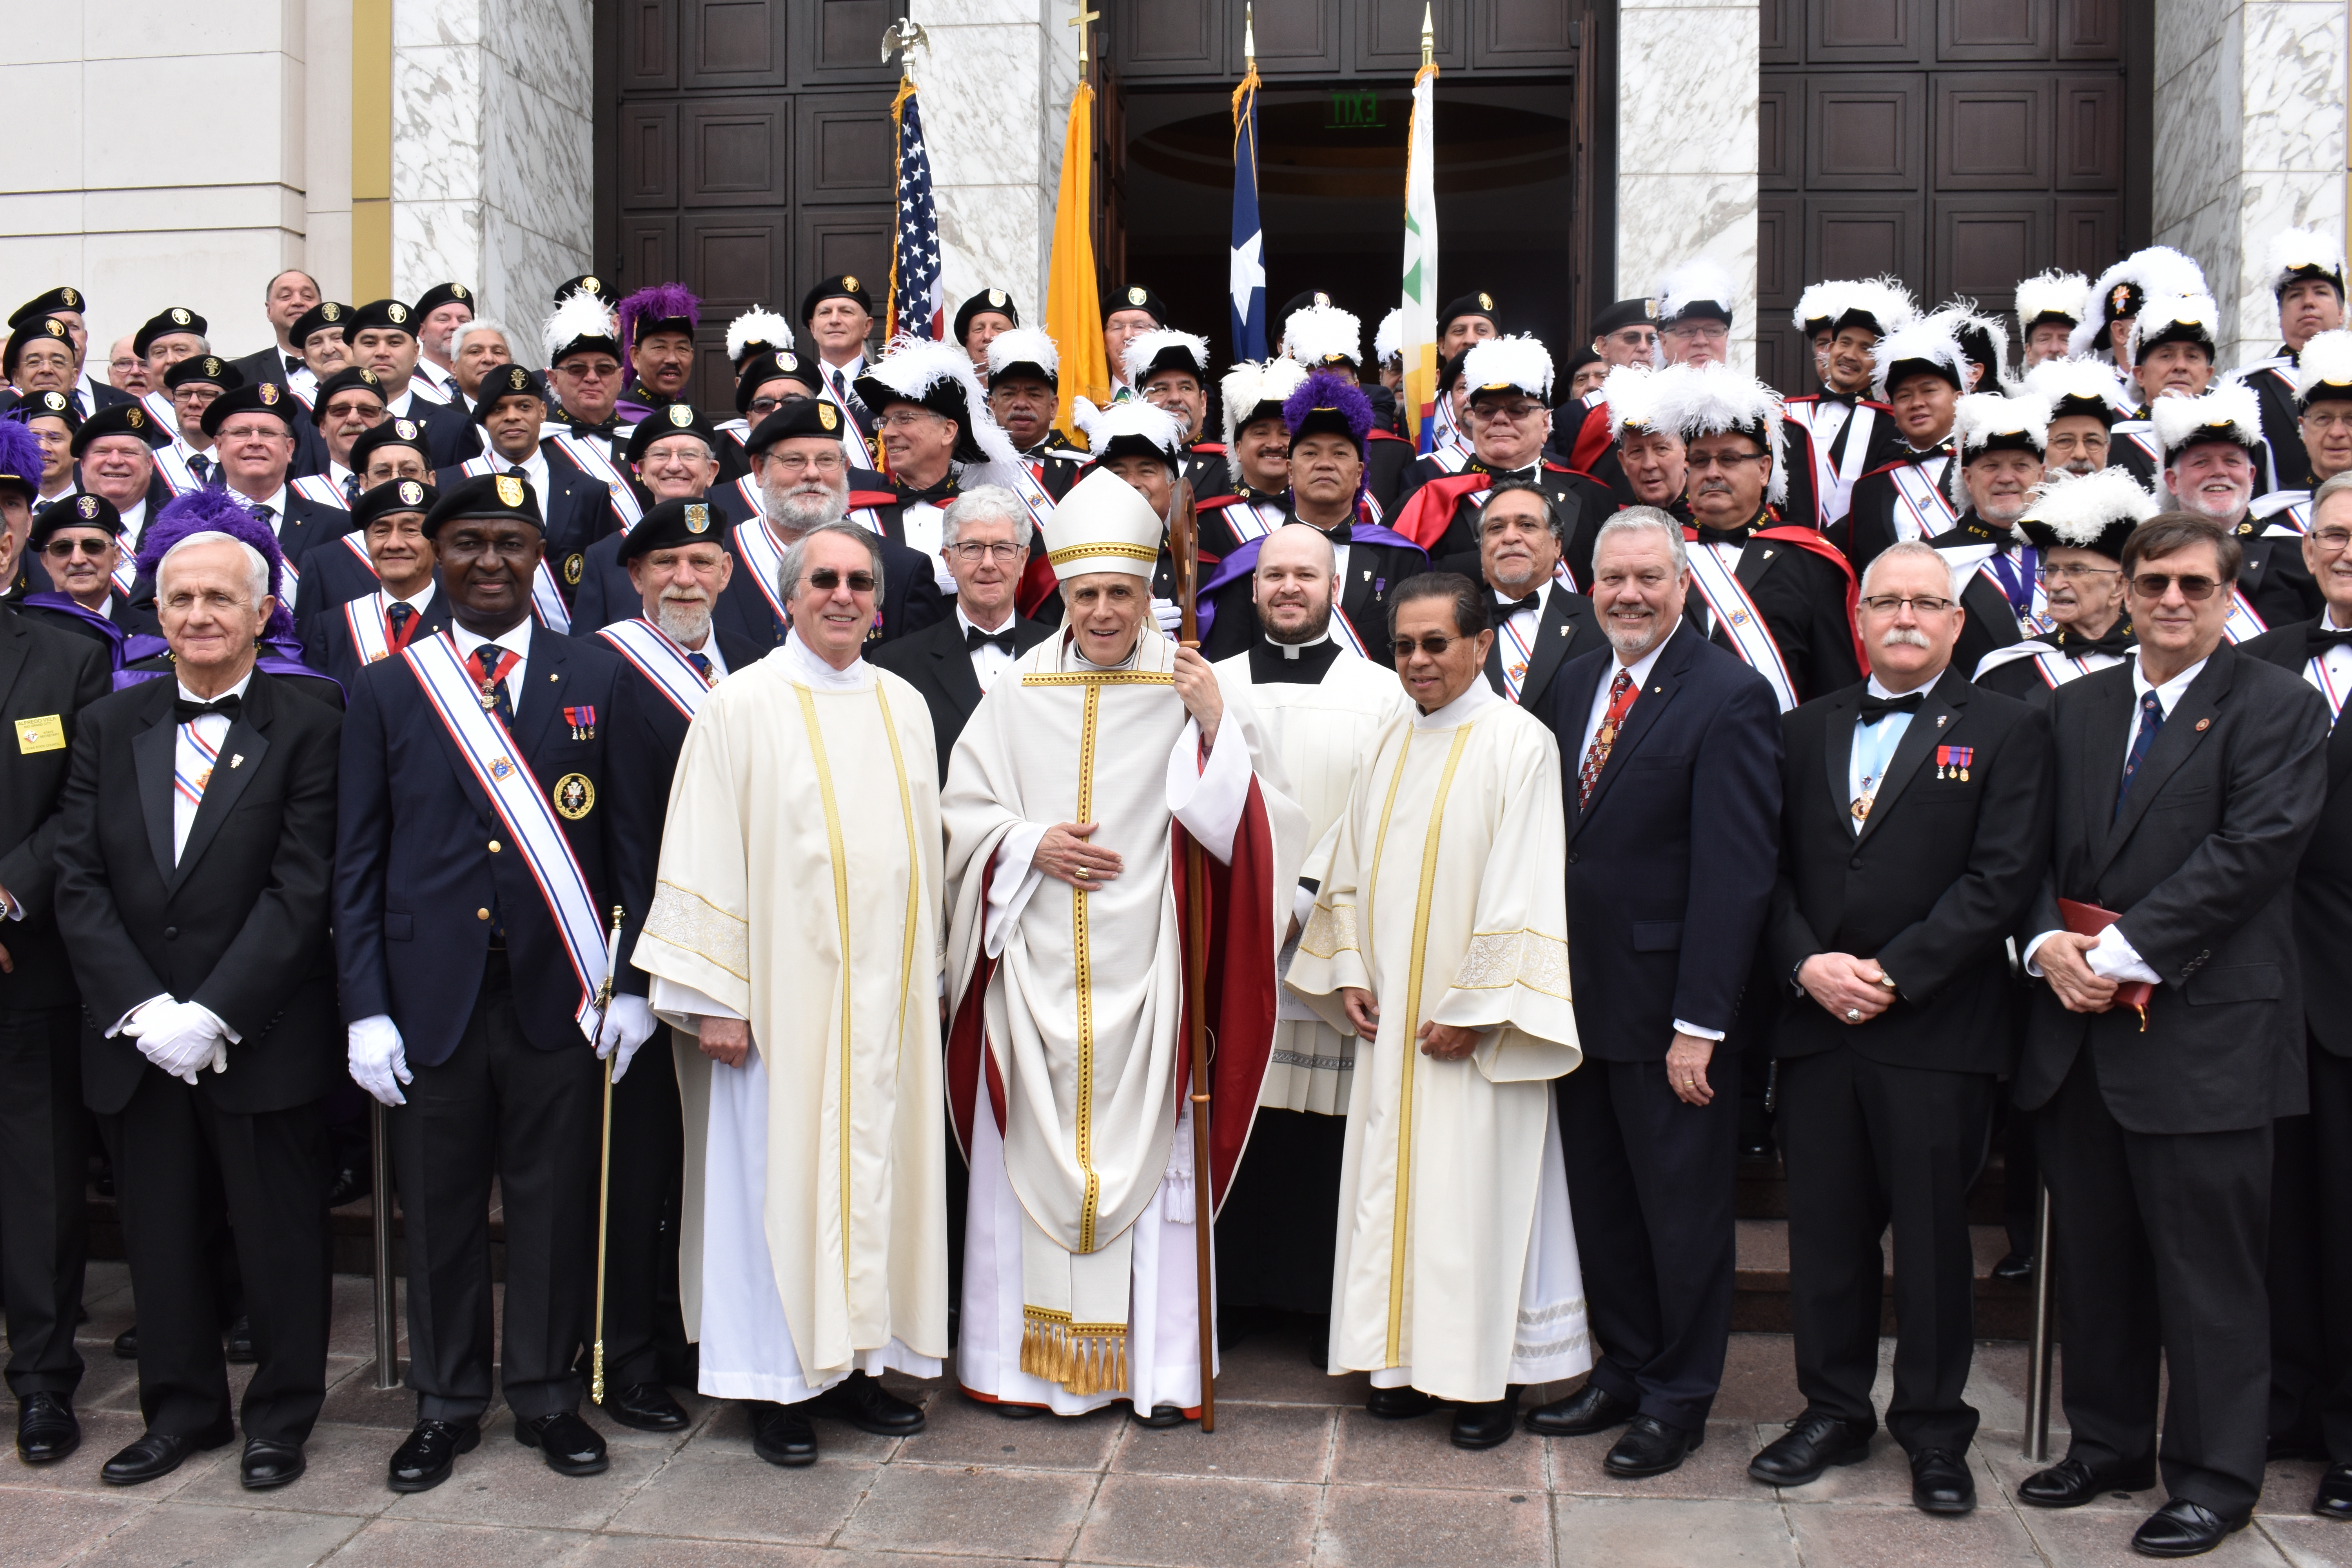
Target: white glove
(1169,613)
(628,1024)
(180,1037)
(378,1059)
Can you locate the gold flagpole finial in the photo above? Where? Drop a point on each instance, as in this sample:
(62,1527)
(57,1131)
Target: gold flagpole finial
(1249,35)
(1428,35)
(1080,22)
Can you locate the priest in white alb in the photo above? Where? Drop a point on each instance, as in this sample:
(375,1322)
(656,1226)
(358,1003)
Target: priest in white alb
(794,933)
(1100,766)
(1440,932)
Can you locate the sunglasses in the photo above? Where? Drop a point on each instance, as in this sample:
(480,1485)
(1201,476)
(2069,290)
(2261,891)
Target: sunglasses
(62,548)
(1433,645)
(2152,585)
(824,580)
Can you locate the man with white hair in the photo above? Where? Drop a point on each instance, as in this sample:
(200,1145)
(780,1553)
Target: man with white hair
(1323,707)
(1106,773)
(1996,574)
(2307,279)
(475,349)
(200,951)
(1169,370)
(1893,1025)
(2212,465)
(2049,306)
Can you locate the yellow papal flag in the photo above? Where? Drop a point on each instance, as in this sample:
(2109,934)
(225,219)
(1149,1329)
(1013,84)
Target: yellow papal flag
(1073,301)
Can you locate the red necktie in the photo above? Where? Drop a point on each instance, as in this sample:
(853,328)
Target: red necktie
(1596,755)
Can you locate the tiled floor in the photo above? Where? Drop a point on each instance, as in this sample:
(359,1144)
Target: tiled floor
(1295,1473)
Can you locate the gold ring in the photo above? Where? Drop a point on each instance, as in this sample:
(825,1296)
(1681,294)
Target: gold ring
(1083,874)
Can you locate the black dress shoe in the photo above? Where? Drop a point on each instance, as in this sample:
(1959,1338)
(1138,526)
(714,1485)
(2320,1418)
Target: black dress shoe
(266,1464)
(569,1445)
(350,1185)
(862,1401)
(1589,1410)
(2334,1498)
(2183,1529)
(45,1428)
(2071,1483)
(1486,1426)
(1008,1411)
(1163,1417)
(158,1453)
(1399,1403)
(1812,1442)
(647,1406)
(1650,1447)
(782,1435)
(239,1348)
(2014,1267)
(126,1343)
(1941,1482)
(425,1460)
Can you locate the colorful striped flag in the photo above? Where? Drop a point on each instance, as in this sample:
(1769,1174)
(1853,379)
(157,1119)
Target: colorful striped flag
(1417,333)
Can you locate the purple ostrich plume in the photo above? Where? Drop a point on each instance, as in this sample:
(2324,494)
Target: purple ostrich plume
(656,303)
(1330,389)
(20,451)
(218,511)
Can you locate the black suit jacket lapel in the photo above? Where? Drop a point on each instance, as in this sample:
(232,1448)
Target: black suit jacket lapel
(1554,631)
(2184,728)
(241,752)
(151,753)
(16,647)
(1929,726)
(1838,749)
(1649,704)
(2339,751)
(953,662)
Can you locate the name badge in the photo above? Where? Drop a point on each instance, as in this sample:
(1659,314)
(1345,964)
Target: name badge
(46,733)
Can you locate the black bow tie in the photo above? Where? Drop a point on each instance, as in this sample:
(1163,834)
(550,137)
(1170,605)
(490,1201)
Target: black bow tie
(1506,609)
(2117,641)
(1874,709)
(2322,637)
(293,363)
(974,638)
(939,494)
(186,712)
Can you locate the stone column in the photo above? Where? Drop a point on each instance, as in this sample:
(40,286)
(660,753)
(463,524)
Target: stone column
(2250,139)
(1687,79)
(491,173)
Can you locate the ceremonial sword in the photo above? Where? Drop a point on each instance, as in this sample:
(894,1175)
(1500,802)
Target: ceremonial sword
(604,1166)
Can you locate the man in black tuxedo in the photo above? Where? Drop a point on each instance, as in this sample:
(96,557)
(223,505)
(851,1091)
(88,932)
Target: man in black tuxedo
(1673,808)
(1899,886)
(674,655)
(2311,1188)
(437,882)
(2187,783)
(194,848)
(291,295)
(1539,622)
(46,679)
(953,663)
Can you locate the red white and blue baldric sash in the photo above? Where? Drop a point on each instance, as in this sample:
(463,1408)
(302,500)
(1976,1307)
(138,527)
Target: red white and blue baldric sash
(659,659)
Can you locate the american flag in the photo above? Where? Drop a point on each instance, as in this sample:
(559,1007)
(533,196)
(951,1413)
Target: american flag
(918,305)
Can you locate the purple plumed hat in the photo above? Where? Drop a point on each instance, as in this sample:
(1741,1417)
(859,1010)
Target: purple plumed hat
(218,511)
(656,308)
(1330,402)
(20,457)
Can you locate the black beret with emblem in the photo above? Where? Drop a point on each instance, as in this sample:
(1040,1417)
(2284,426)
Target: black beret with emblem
(392,432)
(674,524)
(1301,301)
(384,316)
(391,497)
(800,418)
(507,381)
(210,369)
(48,304)
(442,294)
(484,495)
(670,419)
(759,369)
(39,328)
(121,420)
(80,511)
(845,287)
(261,397)
(987,301)
(317,319)
(586,283)
(167,323)
(344,380)
(1135,297)
(1478,304)
(1621,314)
(47,405)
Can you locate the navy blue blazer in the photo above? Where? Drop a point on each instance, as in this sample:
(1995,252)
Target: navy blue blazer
(413,868)
(1672,863)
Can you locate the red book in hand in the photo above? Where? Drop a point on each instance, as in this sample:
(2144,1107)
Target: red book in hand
(2089,919)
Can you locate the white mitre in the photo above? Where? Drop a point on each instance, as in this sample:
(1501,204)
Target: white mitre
(1103,524)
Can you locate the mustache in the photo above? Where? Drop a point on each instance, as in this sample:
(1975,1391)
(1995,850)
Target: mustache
(1904,636)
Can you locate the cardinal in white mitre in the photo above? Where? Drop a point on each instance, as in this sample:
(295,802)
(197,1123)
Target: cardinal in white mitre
(1073,803)
(1440,934)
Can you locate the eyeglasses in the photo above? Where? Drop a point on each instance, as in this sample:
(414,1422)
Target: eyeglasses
(907,419)
(1698,463)
(1702,331)
(2152,585)
(2332,540)
(823,462)
(62,548)
(2073,573)
(1920,604)
(1505,413)
(824,580)
(1435,645)
(762,406)
(1005,553)
(579,371)
(256,433)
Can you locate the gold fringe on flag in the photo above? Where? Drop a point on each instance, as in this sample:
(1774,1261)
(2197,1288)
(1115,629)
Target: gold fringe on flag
(1084,1358)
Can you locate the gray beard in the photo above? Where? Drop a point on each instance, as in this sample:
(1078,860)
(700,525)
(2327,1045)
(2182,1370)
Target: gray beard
(798,512)
(685,624)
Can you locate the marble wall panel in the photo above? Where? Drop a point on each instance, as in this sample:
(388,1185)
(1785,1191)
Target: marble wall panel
(1663,220)
(537,158)
(546,44)
(2197,136)
(423,23)
(2184,29)
(436,124)
(434,241)
(2292,61)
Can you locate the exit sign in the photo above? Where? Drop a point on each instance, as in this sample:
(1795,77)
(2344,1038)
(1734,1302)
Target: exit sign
(1354,110)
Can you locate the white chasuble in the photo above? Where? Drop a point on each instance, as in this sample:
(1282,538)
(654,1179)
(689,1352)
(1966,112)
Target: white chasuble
(1323,732)
(1445,900)
(798,888)
(1069,1033)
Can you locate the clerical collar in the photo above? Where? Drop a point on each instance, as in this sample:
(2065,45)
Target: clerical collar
(803,665)
(1461,710)
(1292,664)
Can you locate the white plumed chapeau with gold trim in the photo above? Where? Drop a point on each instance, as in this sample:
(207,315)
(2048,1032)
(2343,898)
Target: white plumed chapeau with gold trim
(2299,252)
(2063,380)
(912,367)
(1702,280)
(1520,363)
(1023,345)
(2325,360)
(1143,351)
(1630,393)
(2051,293)
(1982,421)
(582,315)
(2078,508)
(1388,338)
(2230,412)
(2192,316)
(1318,335)
(2158,269)
(1928,342)
(757,325)
(1708,399)
(1248,387)
(1884,300)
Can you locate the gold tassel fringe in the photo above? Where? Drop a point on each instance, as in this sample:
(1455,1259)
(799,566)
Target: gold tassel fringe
(1084,1358)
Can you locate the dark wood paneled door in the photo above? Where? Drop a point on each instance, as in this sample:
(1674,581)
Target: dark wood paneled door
(743,149)
(1958,144)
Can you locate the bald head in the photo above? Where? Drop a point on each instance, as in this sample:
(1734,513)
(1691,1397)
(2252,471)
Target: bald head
(1292,585)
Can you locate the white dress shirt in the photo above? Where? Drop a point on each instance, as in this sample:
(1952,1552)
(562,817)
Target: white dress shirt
(2331,673)
(196,752)
(988,661)
(515,639)
(1517,631)
(534,472)
(1873,750)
